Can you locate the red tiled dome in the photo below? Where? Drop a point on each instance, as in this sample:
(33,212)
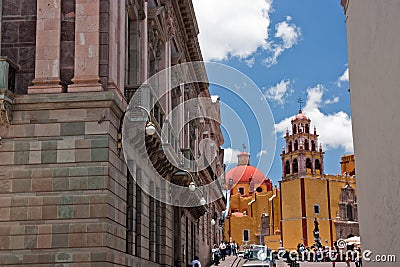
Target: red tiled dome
(300,116)
(242,174)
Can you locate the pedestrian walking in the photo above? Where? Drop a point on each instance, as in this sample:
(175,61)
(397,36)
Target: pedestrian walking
(196,262)
(215,255)
(222,249)
(234,248)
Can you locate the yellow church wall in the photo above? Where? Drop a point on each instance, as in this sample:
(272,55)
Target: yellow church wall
(292,233)
(291,199)
(276,211)
(273,241)
(260,203)
(323,229)
(347,163)
(316,193)
(237,225)
(335,191)
(246,187)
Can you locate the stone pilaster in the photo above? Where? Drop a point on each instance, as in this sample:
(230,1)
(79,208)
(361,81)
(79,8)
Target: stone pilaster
(86,47)
(48,36)
(144,45)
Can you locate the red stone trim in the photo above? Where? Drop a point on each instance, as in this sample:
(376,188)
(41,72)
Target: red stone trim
(303,211)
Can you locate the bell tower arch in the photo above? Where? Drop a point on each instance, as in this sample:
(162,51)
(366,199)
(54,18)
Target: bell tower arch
(302,156)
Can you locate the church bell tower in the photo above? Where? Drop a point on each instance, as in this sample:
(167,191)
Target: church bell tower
(302,156)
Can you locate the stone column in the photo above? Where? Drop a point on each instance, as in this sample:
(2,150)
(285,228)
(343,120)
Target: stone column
(144,45)
(1,21)
(86,47)
(48,36)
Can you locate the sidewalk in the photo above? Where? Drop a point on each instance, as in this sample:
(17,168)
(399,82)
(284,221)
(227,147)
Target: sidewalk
(229,260)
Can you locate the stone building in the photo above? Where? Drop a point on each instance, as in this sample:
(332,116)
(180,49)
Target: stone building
(68,71)
(346,223)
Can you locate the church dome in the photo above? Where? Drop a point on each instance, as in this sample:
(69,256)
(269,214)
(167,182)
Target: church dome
(243,174)
(300,116)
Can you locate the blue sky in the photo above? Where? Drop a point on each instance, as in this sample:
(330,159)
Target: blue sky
(290,49)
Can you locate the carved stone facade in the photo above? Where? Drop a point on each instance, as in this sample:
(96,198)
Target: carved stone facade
(66,195)
(347,219)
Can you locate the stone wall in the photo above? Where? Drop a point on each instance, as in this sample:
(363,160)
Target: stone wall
(62,183)
(19,39)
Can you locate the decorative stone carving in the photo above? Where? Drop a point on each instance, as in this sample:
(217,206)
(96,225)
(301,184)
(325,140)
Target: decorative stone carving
(170,26)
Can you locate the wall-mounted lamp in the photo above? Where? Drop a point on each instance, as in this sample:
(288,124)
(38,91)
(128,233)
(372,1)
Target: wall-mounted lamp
(212,222)
(192,185)
(150,128)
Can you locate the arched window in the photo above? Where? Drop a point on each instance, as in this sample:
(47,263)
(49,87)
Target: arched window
(287,167)
(308,163)
(317,164)
(294,129)
(295,166)
(349,212)
(296,145)
(307,128)
(290,146)
(306,145)
(312,145)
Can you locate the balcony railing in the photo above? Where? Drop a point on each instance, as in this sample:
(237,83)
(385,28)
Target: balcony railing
(8,71)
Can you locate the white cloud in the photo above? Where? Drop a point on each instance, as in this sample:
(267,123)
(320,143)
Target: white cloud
(232,28)
(230,156)
(250,62)
(278,92)
(344,78)
(262,152)
(332,101)
(334,129)
(289,35)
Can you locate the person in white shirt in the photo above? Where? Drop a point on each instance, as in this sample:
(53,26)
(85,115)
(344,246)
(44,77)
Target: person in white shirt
(196,262)
(222,249)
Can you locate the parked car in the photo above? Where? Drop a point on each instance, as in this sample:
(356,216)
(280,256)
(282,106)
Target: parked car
(259,256)
(258,263)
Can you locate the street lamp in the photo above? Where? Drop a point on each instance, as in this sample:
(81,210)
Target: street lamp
(150,128)
(192,185)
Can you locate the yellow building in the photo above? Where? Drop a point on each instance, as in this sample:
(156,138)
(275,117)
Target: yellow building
(254,208)
(306,192)
(284,216)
